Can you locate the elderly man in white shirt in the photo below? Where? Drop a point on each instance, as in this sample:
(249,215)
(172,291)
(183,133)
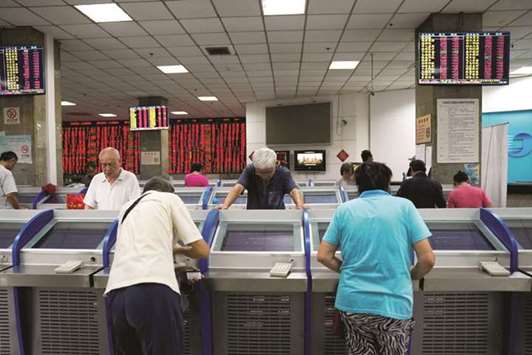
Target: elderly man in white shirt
(114,186)
(143,295)
(8,187)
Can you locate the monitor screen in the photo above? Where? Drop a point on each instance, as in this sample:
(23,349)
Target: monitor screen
(258,240)
(21,70)
(65,235)
(148,118)
(220,198)
(190,199)
(477,58)
(8,232)
(283,158)
(522,231)
(458,237)
(309,160)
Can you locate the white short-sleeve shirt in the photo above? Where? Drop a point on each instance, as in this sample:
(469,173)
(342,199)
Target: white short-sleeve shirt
(145,241)
(7,186)
(102,195)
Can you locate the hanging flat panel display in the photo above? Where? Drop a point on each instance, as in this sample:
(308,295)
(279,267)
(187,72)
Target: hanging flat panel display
(21,70)
(148,118)
(477,58)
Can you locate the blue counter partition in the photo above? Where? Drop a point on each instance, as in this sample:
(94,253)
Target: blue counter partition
(205,197)
(308,294)
(502,232)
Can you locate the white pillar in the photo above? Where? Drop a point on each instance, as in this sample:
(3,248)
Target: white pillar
(51,158)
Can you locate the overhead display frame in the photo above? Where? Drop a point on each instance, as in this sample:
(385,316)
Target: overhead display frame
(463,58)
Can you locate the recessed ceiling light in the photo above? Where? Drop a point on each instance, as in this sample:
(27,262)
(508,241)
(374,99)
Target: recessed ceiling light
(179,113)
(344,64)
(104,12)
(207,98)
(522,71)
(107,115)
(172,69)
(283,7)
(67,103)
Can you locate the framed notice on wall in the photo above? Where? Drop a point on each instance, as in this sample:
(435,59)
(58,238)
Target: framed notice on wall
(423,129)
(458,131)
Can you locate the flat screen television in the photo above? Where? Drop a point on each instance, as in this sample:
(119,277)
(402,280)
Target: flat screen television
(309,160)
(463,58)
(148,118)
(21,70)
(283,158)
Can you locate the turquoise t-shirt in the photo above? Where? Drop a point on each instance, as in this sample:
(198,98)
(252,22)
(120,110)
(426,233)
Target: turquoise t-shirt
(376,234)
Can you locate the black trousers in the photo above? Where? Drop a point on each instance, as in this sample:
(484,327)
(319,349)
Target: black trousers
(146,320)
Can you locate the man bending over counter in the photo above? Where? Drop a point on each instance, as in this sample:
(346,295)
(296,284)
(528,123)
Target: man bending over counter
(266,182)
(114,186)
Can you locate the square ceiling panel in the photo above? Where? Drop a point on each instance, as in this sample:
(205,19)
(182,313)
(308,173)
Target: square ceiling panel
(204,25)
(86,31)
(105,43)
(147,11)
(326,22)
(242,49)
(330,6)
(75,44)
(408,20)
(243,24)
(211,38)
(55,31)
(525,20)
(376,7)
(121,54)
(237,7)
(410,6)
(248,37)
(281,23)
(285,47)
(360,35)
(33,3)
(322,36)
(500,18)
(139,42)
(191,8)
(162,27)
(22,17)
(512,5)
(175,40)
(123,29)
(468,6)
(368,20)
(285,36)
(61,15)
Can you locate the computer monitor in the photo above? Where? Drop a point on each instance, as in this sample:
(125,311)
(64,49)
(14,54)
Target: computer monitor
(310,160)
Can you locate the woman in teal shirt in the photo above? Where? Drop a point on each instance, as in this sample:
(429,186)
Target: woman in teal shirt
(377,233)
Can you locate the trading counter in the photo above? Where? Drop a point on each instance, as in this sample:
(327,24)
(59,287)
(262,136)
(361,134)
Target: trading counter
(196,197)
(220,193)
(48,305)
(322,197)
(254,312)
(352,191)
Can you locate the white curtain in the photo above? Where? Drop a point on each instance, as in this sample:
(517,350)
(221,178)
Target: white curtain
(494,165)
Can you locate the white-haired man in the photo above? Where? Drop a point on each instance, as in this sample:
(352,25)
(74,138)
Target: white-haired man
(266,183)
(114,186)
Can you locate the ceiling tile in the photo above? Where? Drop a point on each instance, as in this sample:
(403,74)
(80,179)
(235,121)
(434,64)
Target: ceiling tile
(368,20)
(149,53)
(525,20)
(408,20)
(281,23)
(147,11)
(330,6)
(61,15)
(349,56)
(106,64)
(204,25)
(9,3)
(186,51)
(175,40)
(317,57)
(512,5)
(319,47)
(326,22)
(75,44)
(517,32)
(35,3)
(211,38)
(247,37)
(191,8)
(500,18)
(139,42)
(21,17)
(237,7)
(86,31)
(105,43)
(162,27)
(56,32)
(121,54)
(376,7)
(397,35)
(285,36)
(360,35)
(243,24)
(255,58)
(123,29)
(388,46)
(285,47)
(468,6)
(322,36)
(280,57)
(251,48)
(353,46)
(410,6)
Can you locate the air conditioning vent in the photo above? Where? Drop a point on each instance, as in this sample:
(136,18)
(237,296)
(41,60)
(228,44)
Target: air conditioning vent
(528,325)
(218,50)
(5,336)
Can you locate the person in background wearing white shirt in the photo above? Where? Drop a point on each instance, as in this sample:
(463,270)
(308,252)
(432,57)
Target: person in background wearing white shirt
(142,293)
(8,188)
(114,186)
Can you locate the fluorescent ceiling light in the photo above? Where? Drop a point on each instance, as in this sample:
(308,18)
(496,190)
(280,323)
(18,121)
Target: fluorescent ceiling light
(172,69)
(522,71)
(107,115)
(344,64)
(67,103)
(283,7)
(104,12)
(207,98)
(179,113)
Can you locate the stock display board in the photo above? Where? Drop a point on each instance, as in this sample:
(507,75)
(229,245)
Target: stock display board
(21,70)
(478,58)
(148,117)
